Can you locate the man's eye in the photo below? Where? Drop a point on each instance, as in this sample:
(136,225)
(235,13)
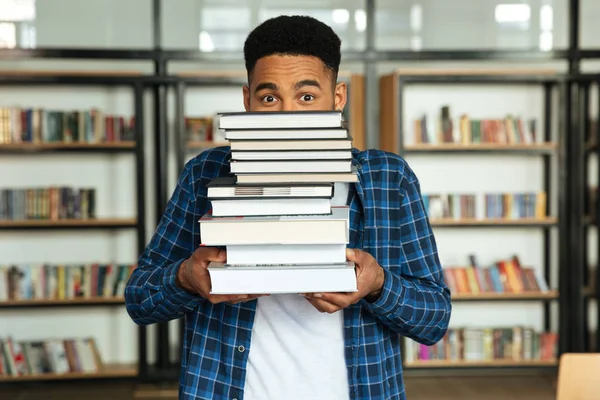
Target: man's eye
(308,97)
(269,98)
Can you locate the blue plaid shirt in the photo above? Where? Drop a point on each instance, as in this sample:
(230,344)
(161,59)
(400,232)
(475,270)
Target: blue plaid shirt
(388,220)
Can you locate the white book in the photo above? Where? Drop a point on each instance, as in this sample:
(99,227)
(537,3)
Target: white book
(287,144)
(258,207)
(226,188)
(292,155)
(286,254)
(226,279)
(277,178)
(283,134)
(287,229)
(318,166)
(280,120)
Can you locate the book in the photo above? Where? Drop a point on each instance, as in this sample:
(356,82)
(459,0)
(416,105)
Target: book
(296,166)
(226,279)
(283,253)
(226,188)
(296,178)
(291,144)
(274,215)
(288,229)
(258,207)
(281,120)
(292,155)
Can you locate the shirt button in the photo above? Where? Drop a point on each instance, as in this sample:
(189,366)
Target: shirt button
(241,350)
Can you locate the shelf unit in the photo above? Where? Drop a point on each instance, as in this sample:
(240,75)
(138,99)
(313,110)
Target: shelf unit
(494,222)
(109,225)
(107,371)
(118,147)
(481,364)
(524,296)
(392,138)
(74,302)
(586,279)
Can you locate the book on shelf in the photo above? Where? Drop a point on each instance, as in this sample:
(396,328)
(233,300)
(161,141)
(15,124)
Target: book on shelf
(280,229)
(39,282)
(50,203)
(199,129)
(466,130)
(38,125)
(49,356)
(501,277)
(485,205)
(489,344)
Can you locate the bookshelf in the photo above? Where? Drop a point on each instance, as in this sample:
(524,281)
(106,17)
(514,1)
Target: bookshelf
(480,364)
(524,296)
(472,158)
(11,148)
(585,274)
(72,302)
(39,237)
(107,371)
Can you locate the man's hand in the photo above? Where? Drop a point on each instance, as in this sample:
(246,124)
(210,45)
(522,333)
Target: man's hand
(193,276)
(369,280)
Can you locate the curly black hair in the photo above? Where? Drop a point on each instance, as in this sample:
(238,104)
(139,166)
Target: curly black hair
(293,35)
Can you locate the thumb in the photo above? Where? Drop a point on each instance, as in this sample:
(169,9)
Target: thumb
(215,254)
(353,255)
(219,255)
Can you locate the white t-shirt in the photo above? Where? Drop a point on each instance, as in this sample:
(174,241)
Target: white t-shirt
(297,352)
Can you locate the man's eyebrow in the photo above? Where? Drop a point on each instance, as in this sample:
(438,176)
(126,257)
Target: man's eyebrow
(306,82)
(266,85)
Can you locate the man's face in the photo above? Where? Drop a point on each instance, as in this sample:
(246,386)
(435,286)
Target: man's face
(293,83)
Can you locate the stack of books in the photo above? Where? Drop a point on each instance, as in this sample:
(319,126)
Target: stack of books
(274,214)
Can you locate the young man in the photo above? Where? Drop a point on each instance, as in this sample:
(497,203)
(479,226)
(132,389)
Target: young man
(329,346)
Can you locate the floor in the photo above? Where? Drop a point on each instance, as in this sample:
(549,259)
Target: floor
(418,388)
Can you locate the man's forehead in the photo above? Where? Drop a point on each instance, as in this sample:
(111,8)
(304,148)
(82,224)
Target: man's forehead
(293,83)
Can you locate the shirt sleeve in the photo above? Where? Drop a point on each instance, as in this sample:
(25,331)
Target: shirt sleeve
(152,294)
(415,303)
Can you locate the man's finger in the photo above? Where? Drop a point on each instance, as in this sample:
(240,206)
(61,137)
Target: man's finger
(355,255)
(249,298)
(324,306)
(212,254)
(341,300)
(224,298)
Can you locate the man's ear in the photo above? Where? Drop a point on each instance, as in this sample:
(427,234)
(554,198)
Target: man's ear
(246,93)
(340,96)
